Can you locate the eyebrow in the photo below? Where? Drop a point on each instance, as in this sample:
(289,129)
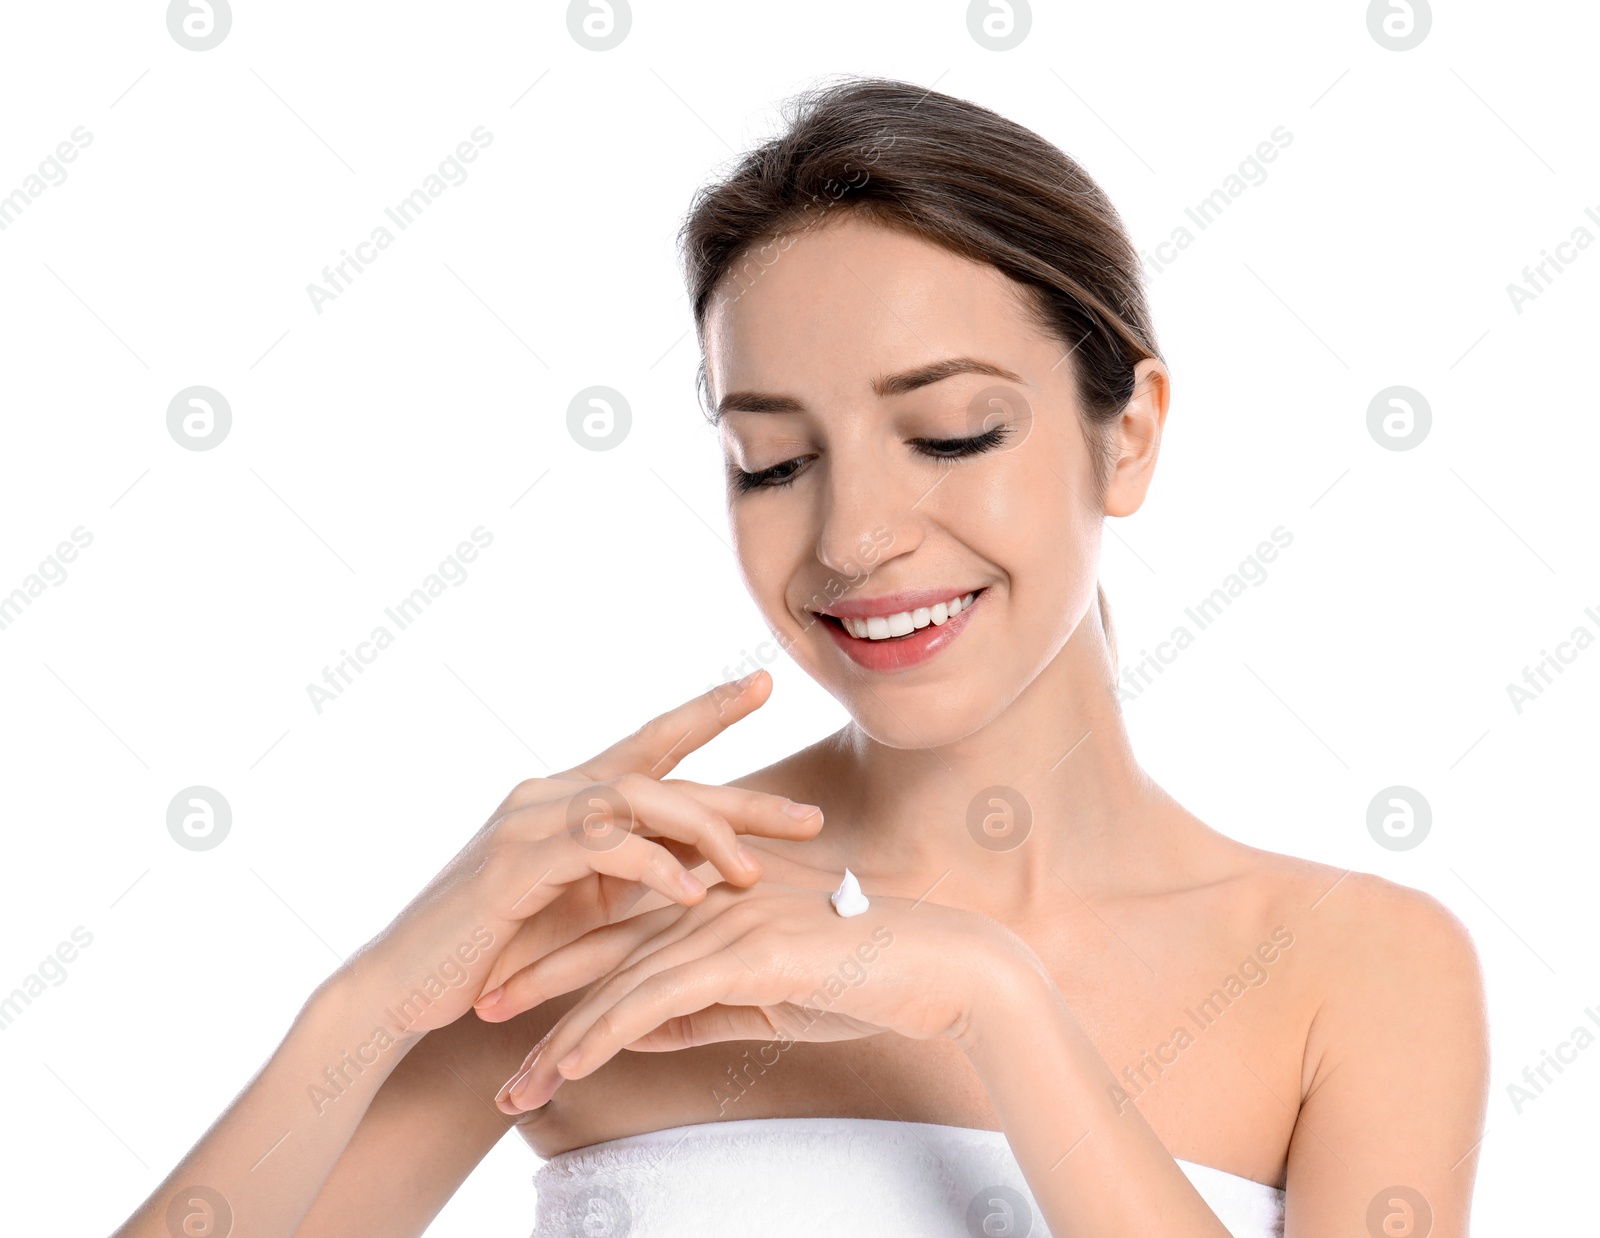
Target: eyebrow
(889,385)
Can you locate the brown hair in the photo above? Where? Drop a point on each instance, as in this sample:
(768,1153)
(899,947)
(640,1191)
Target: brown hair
(957,175)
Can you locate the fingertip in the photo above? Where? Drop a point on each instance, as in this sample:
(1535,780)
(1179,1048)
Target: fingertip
(693,889)
(754,684)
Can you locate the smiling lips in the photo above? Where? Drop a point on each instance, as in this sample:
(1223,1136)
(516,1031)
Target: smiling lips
(899,630)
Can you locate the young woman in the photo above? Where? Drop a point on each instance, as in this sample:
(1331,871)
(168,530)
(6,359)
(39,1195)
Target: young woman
(1069,1007)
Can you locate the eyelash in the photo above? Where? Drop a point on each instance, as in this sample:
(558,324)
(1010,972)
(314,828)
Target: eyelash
(780,475)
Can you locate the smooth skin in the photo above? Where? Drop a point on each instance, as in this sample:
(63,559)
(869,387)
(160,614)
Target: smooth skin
(1024,987)
(381,1150)
(1035,990)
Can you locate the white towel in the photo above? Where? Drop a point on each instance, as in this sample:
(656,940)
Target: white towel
(838,1177)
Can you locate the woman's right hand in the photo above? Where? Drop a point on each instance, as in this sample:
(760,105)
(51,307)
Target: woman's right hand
(566,854)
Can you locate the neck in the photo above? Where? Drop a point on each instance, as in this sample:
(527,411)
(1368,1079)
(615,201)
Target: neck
(1044,799)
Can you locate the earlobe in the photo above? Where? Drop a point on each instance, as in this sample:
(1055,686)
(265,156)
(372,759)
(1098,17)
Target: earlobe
(1137,433)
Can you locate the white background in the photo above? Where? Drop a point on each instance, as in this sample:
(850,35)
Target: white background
(369,439)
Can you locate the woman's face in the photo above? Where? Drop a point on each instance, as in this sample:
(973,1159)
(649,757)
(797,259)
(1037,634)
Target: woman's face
(900,436)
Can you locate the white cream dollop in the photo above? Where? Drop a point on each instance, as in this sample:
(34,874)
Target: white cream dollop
(848,900)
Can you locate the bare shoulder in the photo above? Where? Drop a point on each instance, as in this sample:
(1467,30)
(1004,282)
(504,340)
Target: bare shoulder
(1367,933)
(1369,924)
(1395,1069)
(1399,967)
(1371,956)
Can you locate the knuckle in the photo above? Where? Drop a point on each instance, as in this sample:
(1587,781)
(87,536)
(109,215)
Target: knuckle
(604,1027)
(526,790)
(662,866)
(630,783)
(744,914)
(599,811)
(651,732)
(518,826)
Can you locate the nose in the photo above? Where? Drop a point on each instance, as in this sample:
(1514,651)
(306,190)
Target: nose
(870,511)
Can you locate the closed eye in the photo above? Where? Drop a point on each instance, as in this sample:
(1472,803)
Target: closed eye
(955,448)
(780,475)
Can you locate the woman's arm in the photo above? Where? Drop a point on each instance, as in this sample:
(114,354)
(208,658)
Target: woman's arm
(752,964)
(382,1051)
(260,1165)
(377,1159)
(1095,1167)
(430,1124)
(1396,1067)
(1396,1087)
(1396,1072)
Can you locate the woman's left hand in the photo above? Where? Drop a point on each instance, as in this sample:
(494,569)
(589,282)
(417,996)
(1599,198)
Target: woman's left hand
(768,962)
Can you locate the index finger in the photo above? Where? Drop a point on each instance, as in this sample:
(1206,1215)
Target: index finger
(656,748)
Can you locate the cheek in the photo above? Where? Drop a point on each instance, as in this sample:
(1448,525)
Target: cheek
(1022,512)
(1032,519)
(768,538)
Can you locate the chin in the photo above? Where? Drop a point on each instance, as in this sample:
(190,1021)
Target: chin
(901,713)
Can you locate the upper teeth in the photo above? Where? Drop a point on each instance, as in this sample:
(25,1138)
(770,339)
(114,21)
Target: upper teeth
(882,627)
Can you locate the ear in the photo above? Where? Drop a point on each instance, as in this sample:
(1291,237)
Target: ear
(1136,436)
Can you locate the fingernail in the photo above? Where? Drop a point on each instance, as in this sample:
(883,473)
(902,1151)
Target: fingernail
(568,1062)
(800,811)
(491,997)
(691,884)
(745,858)
(513,1083)
(522,1083)
(745,681)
